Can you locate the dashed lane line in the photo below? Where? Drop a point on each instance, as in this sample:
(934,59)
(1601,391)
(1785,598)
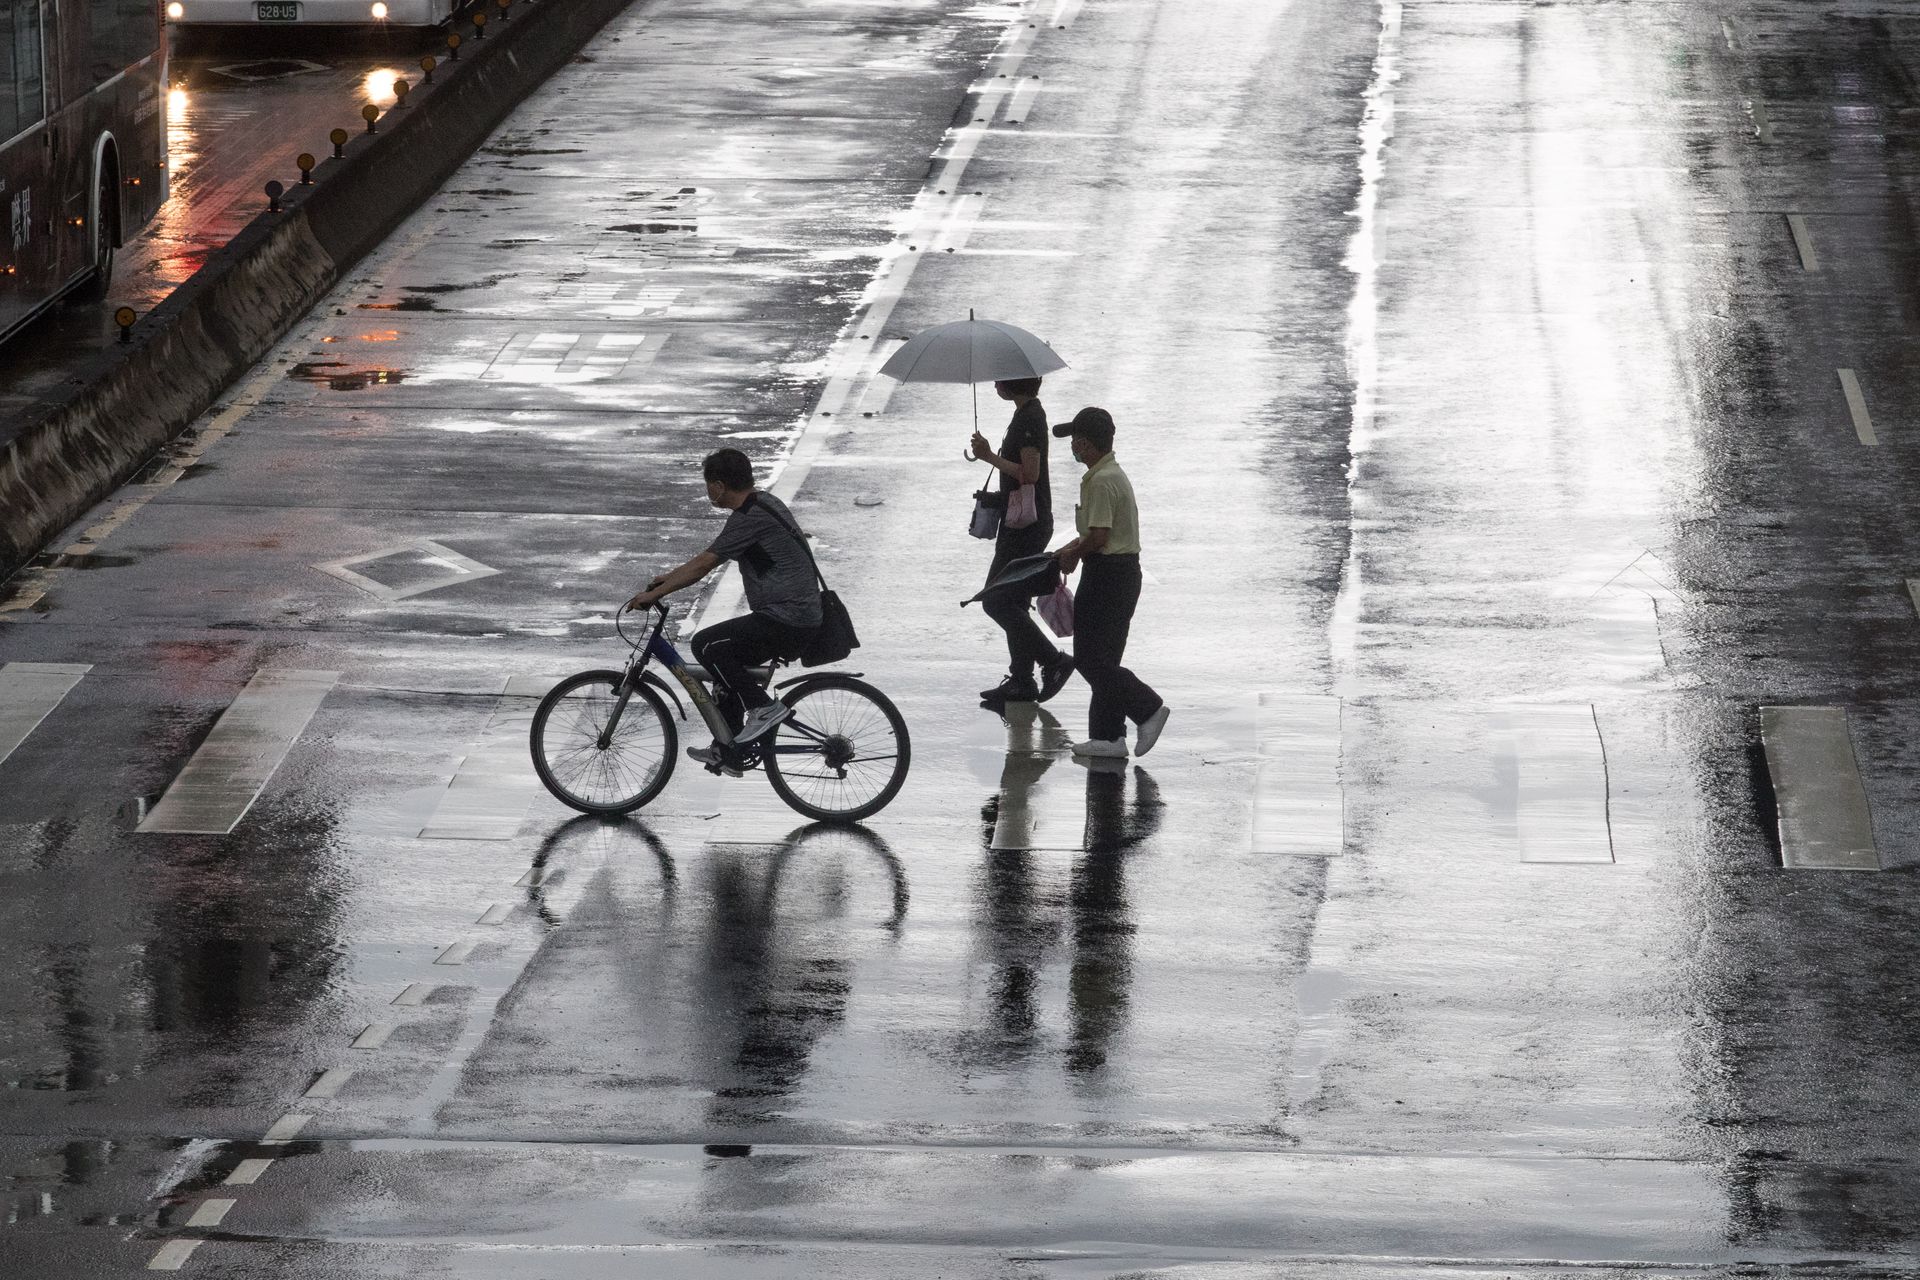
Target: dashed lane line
(172,1255)
(1825,822)
(1065,12)
(456,954)
(331,1081)
(29,691)
(248,1172)
(415,994)
(1803,242)
(210,1212)
(373,1036)
(496,914)
(1020,105)
(1857,407)
(1762,126)
(285,1130)
(248,742)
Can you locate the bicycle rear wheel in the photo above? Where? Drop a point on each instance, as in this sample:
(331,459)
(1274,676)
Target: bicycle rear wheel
(590,769)
(842,755)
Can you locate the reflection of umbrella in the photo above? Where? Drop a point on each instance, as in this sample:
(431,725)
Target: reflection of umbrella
(972,351)
(1035,575)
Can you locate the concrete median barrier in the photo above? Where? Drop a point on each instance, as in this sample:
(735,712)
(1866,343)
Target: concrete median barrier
(125,406)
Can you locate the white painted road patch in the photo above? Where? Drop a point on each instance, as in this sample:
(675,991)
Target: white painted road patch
(248,742)
(1857,407)
(1803,242)
(29,691)
(1298,806)
(445,568)
(1825,822)
(492,788)
(1558,775)
(172,1255)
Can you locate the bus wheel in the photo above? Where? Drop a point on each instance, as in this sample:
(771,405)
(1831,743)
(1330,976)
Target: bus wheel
(100,279)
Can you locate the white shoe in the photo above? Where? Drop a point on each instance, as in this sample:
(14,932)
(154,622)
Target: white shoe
(761,719)
(712,758)
(1149,731)
(1102,748)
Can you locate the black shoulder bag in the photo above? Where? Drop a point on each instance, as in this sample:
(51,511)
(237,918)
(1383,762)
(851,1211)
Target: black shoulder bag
(835,638)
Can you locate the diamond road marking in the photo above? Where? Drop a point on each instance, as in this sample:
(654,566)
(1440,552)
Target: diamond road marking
(459,569)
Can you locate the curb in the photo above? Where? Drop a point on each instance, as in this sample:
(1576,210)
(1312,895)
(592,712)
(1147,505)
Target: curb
(194,345)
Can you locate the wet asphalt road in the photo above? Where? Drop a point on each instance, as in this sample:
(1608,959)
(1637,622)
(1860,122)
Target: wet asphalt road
(1482,399)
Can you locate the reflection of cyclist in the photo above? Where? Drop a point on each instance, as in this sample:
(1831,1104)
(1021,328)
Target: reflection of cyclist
(782,593)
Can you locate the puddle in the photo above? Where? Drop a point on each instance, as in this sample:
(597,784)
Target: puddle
(336,375)
(657,228)
(405,304)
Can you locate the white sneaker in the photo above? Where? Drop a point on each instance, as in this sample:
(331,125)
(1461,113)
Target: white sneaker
(712,758)
(1149,731)
(1102,748)
(761,719)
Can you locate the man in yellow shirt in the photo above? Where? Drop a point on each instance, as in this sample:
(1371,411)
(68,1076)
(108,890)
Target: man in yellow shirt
(1109,549)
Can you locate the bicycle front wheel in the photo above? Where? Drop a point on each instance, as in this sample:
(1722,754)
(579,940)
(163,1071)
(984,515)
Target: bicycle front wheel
(842,755)
(600,750)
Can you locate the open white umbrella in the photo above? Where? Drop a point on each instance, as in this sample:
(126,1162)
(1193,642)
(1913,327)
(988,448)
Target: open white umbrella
(972,351)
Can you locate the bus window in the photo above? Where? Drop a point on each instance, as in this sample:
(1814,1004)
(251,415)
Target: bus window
(23,97)
(124,31)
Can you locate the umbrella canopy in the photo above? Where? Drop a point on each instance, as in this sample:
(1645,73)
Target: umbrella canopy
(972,351)
(1032,575)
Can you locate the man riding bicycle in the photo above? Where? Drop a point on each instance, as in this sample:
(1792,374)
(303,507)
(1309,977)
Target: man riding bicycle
(782,593)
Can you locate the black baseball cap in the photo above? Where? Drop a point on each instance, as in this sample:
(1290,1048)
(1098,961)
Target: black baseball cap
(1095,424)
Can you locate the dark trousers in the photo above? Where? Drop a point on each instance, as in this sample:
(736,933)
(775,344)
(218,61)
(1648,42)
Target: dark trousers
(1102,615)
(1012,608)
(728,648)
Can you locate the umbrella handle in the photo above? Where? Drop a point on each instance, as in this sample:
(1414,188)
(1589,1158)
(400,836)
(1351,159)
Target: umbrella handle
(967,453)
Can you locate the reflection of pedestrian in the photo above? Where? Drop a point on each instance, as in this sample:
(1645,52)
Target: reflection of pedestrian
(1022,460)
(1109,548)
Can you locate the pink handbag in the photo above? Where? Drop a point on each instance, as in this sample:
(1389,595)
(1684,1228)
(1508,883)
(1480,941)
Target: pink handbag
(1023,507)
(1056,610)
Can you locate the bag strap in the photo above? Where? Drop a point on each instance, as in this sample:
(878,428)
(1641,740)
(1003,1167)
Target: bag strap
(798,537)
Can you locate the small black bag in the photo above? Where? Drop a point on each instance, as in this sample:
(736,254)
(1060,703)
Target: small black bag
(835,638)
(989,507)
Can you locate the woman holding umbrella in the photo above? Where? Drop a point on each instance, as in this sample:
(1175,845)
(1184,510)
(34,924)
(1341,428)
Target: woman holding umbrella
(1021,462)
(975,351)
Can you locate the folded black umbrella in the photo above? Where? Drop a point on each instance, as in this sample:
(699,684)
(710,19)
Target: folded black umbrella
(1030,575)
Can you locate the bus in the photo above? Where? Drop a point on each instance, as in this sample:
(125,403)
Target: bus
(310,13)
(83,144)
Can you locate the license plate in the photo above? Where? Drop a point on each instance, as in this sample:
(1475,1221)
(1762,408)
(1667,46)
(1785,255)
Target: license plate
(284,11)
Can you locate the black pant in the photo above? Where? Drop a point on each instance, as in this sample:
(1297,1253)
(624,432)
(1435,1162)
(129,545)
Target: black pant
(1102,615)
(1012,607)
(727,649)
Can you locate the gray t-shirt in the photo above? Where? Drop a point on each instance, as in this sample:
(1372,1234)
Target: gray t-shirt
(774,564)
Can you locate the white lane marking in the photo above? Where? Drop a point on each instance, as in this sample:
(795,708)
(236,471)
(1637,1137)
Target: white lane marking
(29,691)
(1020,105)
(285,1129)
(1065,12)
(248,1172)
(496,914)
(331,1081)
(1762,127)
(1558,767)
(458,569)
(1857,407)
(1298,805)
(1727,34)
(955,229)
(211,1212)
(373,1036)
(415,994)
(173,1255)
(248,742)
(880,390)
(491,790)
(1803,241)
(456,954)
(30,587)
(1825,822)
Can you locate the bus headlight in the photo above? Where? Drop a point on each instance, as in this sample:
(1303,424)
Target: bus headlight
(176,10)
(379,10)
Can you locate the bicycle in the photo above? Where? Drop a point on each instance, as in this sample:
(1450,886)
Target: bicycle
(604,742)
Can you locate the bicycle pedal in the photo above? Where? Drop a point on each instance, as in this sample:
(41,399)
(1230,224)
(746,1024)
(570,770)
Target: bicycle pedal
(730,770)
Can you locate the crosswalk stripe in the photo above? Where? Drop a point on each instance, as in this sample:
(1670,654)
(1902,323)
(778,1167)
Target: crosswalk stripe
(493,787)
(1825,823)
(251,738)
(172,1255)
(1559,779)
(1298,806)
(29,691)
